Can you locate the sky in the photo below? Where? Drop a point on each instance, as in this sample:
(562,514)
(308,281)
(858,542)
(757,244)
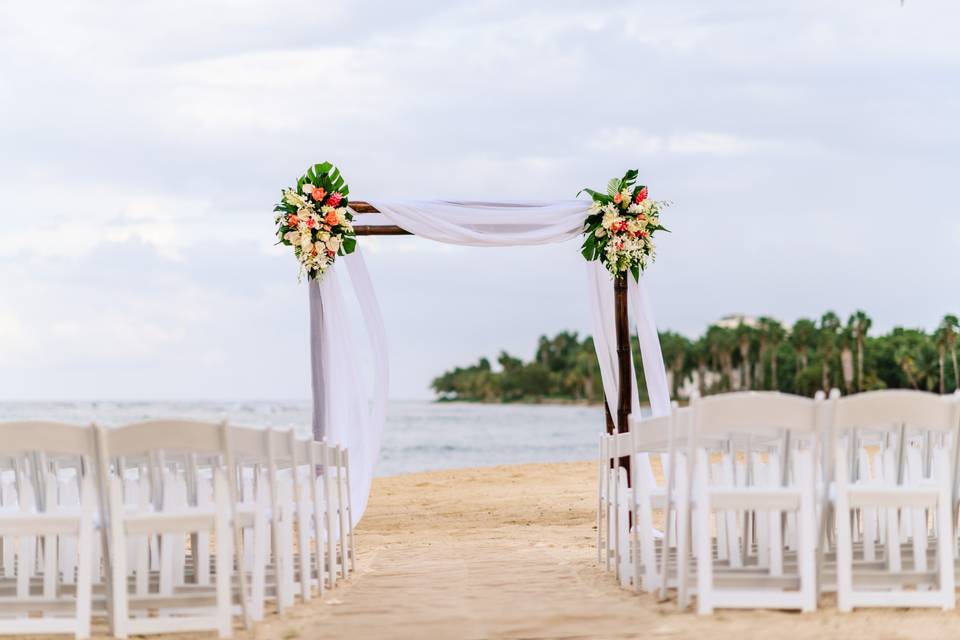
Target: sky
(809,149)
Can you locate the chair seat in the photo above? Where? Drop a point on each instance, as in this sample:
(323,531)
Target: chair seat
(20,522)
(183,521)
(891,496)
(761,498)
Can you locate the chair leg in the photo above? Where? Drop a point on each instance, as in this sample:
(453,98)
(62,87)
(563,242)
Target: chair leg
(807,534)
(224,560)
(259,571)
(84,562)
(118,565)
(683,535)
(945,533)
(844,553)
(704,540)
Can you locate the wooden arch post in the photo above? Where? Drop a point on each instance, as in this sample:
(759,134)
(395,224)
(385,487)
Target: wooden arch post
(622,326)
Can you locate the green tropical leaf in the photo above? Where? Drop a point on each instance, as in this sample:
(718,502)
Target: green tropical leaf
(613,187)
(597,196)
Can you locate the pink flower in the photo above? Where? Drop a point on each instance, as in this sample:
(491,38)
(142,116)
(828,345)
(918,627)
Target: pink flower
(641,196)
(335,199)
(310,223)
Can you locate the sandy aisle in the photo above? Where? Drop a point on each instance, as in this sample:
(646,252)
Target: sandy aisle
(508,552)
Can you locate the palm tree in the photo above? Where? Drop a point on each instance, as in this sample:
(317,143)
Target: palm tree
(674,347)
(722,344)
(860,324)
(770,333)
(951,328)
(908,365)
(940,338)
(775,335)
(846,357)
(744,335)
(801,337)
(829,326)
(760,368)
(700,352)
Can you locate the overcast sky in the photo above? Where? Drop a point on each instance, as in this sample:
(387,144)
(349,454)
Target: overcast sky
(810,148)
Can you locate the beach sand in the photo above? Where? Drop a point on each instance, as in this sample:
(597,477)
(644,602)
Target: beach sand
(508,552)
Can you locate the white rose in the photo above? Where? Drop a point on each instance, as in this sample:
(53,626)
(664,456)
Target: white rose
(293,237)
(333,244)
(306,243)
(307,188)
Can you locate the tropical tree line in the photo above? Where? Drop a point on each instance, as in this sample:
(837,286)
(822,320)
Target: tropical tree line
(754,354)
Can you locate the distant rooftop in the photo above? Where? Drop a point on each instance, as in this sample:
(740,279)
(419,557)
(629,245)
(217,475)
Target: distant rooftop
(734,320)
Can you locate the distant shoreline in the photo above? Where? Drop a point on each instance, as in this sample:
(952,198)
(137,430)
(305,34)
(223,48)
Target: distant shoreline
(524,401)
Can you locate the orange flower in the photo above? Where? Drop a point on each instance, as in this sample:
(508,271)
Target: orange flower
(293,221)
(331,218)
(318,194)
(618,198)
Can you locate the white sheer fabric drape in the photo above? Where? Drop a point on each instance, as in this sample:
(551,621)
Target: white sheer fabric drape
(350,413)
(349,408)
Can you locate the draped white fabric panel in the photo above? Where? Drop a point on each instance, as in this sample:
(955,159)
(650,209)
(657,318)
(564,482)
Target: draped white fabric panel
(349,412)
(349,408)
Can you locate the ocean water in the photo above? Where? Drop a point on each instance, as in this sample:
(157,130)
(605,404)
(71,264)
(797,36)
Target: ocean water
(419,435)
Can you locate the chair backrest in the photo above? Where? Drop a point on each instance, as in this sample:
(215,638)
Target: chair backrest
(247,444)
(762,412)
(163,435)
(302,447)
(889,409)
(49,437)
(333,456)
(280,448)
(650,433)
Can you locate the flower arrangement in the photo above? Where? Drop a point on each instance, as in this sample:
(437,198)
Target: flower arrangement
(313,218)
(620,226)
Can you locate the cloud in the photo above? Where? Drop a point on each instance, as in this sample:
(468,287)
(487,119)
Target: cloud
(807,149)
(687,143)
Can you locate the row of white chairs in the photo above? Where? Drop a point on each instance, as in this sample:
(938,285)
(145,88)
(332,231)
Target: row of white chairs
(768,500)
(166,526)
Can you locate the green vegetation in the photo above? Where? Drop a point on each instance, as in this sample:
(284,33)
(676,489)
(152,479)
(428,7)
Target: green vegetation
(760,354)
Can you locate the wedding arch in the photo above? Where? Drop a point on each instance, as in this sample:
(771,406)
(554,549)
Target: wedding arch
(319,221)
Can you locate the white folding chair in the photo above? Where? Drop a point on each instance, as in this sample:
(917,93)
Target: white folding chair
(903,496)
(743,496)
(253,513)
(64,604)
(179,608)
